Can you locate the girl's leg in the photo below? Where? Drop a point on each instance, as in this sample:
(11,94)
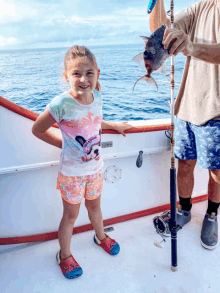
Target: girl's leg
(95,216)
(70,214)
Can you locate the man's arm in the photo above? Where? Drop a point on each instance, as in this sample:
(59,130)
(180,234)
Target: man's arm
(158,16)
(182,43)
(207,53)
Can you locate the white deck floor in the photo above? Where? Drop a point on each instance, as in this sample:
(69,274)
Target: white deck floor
(139,267)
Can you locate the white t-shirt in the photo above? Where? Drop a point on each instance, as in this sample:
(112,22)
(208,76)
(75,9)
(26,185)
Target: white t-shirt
(198,99)
(80,126)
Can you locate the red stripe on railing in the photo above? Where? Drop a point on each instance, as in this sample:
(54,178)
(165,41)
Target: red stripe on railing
(33,116)
(84,228)
(20,110)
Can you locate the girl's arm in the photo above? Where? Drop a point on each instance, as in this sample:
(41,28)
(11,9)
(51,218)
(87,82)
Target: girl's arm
(41,126)
(119,127)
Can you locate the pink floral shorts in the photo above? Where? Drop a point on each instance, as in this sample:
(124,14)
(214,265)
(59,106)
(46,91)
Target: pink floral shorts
(74,188)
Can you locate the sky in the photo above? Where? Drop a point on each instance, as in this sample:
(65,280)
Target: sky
(31,24)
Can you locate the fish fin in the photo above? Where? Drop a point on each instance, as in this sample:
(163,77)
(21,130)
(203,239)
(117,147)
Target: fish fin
(151,80)
(147,79)
(162,69)
(139,59)
(146,39)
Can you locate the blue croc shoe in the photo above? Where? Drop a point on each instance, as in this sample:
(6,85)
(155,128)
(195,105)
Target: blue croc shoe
(108,244)
(69,267)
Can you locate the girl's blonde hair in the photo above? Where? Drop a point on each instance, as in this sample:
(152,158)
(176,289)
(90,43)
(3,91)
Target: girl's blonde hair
(80,51)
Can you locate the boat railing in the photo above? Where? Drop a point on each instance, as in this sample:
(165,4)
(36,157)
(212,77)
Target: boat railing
(147,136)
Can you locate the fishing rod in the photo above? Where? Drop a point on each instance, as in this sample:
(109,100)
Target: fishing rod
(173,226)
(172,221)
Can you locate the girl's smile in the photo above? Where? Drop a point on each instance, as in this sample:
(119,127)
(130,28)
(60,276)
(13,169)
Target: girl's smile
(82,75)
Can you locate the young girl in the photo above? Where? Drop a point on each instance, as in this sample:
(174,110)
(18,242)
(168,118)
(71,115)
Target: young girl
(78,112)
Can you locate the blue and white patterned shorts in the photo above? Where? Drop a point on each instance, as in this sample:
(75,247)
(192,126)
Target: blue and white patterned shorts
(198,142)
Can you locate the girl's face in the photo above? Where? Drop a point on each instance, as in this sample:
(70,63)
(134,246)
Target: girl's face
(82,75)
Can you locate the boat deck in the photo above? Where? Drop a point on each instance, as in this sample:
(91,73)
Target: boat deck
(139,267)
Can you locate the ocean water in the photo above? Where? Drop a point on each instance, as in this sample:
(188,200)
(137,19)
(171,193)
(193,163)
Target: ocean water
(32,78)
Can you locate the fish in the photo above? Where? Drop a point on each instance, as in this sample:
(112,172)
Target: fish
(154,56)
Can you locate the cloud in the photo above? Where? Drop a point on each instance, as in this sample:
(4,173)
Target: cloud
(8,41)
(58,28)
(11,12)
(7,9)
(39,23)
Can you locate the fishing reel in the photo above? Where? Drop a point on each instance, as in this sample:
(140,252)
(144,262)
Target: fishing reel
(162,226)
(162,223)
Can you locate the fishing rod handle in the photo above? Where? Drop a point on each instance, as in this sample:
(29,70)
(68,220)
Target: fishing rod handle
(173,224)
(151,6)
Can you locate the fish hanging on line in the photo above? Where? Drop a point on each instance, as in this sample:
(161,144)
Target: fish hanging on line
(154,56)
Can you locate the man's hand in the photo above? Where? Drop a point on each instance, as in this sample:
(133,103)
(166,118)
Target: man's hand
(179,40)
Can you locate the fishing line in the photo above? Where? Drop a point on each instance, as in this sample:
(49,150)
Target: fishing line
(159,12)
(167,81)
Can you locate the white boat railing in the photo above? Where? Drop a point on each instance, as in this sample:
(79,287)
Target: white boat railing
(21,151)
(32,167)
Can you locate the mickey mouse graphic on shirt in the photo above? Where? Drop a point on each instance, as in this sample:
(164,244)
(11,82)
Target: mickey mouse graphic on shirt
(91,147)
